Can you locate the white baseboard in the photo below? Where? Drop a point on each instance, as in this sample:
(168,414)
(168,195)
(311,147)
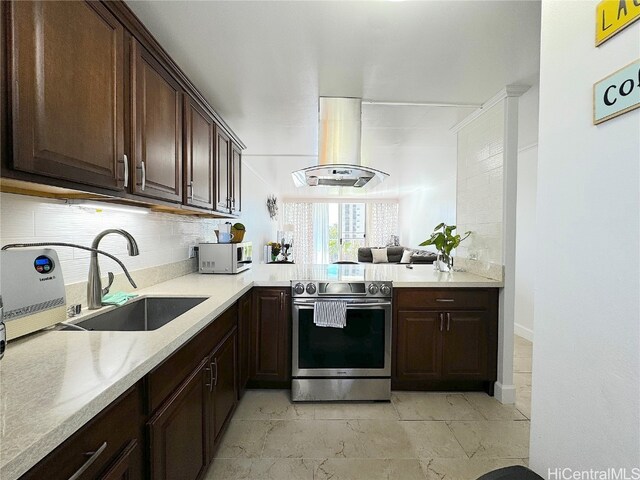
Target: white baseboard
(505,393)
(523,332)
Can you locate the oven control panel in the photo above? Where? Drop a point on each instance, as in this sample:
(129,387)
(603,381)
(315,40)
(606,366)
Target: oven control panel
(316,289)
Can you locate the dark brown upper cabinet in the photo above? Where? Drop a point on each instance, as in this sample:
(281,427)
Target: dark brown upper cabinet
(236,180)
(199,149)
(157,128)
(67,92)
(222,171)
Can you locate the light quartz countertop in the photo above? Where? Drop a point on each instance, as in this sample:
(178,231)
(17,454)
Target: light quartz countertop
(53,382)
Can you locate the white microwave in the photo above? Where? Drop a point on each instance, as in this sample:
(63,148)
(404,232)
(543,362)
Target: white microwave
(224,257)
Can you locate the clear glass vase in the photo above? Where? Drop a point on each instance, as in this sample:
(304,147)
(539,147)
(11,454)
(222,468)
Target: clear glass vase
(444,263)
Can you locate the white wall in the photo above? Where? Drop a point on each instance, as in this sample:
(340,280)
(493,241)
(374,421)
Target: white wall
(527,250)
(586,354)
(480,186)
(433,201)
(255,216)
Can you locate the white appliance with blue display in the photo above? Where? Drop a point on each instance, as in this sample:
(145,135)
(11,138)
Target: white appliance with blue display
(32,290)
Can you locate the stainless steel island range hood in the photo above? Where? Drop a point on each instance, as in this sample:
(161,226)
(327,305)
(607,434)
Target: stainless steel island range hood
(339,163)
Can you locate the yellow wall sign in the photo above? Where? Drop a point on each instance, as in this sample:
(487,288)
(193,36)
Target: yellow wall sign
(614,15)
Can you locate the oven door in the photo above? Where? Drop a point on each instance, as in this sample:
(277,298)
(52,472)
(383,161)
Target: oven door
(361,349)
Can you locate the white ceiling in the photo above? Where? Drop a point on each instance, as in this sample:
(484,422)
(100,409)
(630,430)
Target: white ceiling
(263,64)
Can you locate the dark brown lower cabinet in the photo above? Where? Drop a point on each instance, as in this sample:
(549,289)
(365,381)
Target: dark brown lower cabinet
(244,340)
(224,393)
(178,431)
(445,339)
(270,338)
(109,447)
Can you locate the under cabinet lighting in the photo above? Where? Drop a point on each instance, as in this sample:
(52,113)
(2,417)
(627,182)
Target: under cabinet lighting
(100,206)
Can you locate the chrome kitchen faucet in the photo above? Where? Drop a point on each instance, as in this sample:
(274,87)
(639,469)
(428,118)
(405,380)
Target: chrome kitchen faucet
(94,284)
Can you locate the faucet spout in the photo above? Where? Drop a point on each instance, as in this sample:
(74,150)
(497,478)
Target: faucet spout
(94,284)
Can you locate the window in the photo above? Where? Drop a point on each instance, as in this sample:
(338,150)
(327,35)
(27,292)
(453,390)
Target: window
(346,231)
(332,232)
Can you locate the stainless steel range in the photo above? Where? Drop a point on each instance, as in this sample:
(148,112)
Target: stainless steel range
(350,363)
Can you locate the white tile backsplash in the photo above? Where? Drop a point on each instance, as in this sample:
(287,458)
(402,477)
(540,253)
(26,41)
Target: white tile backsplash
(162,238)
(479,202)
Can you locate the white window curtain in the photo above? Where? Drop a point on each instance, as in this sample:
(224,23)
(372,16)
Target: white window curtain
(382,222)
(321,233)
(300,215)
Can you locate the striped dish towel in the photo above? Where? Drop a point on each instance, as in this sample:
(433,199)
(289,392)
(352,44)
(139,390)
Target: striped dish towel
(330,314)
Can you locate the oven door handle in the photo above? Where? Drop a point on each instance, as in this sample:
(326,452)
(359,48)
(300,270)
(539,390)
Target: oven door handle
(349,305)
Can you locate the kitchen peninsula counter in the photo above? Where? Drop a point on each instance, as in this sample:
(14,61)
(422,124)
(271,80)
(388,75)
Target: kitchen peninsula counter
(54,382)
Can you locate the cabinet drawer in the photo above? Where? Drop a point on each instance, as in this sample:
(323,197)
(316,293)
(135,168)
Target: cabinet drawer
(99,446)
(444,298)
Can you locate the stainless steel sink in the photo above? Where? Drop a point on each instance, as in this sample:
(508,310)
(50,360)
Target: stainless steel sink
(140,315)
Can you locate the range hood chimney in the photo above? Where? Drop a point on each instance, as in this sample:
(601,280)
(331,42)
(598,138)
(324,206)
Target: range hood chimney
(339,139)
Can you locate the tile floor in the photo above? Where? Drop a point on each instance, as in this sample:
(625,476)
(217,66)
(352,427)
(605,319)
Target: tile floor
(433,436)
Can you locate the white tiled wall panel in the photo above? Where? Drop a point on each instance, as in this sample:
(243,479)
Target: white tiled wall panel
(162,238)
(480,184)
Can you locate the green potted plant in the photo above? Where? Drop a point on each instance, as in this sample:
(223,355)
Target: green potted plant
(275,250)
(445,240)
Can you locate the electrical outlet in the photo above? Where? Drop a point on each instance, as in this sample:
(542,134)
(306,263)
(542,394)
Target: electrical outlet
(192,251)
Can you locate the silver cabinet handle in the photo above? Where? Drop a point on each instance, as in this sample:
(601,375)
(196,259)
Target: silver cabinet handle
(281,300)
(448,321)
(215,364)
(126,171)
(210,384)
(144,176)
(441,321)
(445,300)
(191,190)
(90,461)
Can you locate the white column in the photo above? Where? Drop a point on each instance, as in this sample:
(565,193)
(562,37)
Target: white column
(505,390)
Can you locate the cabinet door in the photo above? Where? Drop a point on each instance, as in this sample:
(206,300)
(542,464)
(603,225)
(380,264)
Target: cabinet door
(222,171)
(157,124)
(68,91)
(465,346)
(270,334)
(244,341)
(199,151)
(417,346)
(177,432)
(236,179)
(225,393)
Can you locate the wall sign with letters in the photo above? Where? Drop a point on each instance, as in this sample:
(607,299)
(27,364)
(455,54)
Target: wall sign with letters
(614,15)
(617,94)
